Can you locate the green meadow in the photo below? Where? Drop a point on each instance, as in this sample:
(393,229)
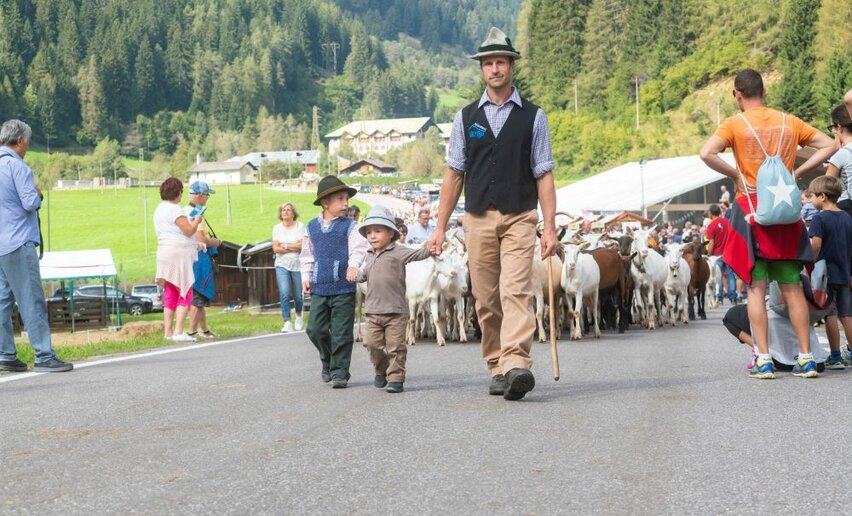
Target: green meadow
(116,219)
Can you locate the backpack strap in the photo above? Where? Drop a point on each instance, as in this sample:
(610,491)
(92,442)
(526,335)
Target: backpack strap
(781,138)
(756,137)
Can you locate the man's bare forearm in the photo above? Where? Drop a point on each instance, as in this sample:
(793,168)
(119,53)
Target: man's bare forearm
(449,197)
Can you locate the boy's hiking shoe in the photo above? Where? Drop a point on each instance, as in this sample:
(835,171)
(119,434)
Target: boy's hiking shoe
(805,369)
(835,362)
(339,383)
(326,375)
(380,381)
(764,370)
(394,387)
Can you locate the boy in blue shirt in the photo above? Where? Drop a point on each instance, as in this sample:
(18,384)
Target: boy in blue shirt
(831,239)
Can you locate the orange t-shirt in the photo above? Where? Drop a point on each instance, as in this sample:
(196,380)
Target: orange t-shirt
(767,124)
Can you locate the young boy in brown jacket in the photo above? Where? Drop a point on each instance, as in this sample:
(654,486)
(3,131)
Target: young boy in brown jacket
(385,303)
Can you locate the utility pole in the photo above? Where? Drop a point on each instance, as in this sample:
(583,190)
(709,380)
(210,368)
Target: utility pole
(260,176)
(637,102)
(576,103)
(228,200)
(315,128)
(143,173)
(333,46)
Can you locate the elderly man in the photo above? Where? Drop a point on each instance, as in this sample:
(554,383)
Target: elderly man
(500,152)
(422,230)
(20,278)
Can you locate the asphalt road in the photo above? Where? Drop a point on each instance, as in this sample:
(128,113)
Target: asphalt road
(646,422)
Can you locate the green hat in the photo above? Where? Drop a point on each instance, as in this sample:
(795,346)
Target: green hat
(330,185)
(496,44)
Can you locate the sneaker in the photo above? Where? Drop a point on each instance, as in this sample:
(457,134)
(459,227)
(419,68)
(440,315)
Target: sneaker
(182,337)
(805,369)
(762,370)
(835,362)
(752,361)
(299,324)
(497,386)
(326,375)
(209,334)
(338,383)
(394,387)
(518,383)
(53,365)
(15,366)
(287,327)
(380,381)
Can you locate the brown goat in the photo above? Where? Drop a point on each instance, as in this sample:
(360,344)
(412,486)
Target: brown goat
(699,275)
(612,285)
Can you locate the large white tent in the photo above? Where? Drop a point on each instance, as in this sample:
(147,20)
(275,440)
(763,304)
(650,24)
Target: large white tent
(631,186)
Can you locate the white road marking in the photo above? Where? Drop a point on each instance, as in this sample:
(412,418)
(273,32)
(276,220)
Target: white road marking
(111,360)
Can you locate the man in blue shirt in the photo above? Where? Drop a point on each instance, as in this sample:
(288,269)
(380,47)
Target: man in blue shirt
(422,230)
(20,278)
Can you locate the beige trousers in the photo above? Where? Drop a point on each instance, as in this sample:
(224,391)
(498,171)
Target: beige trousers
(384,339)
(500,255)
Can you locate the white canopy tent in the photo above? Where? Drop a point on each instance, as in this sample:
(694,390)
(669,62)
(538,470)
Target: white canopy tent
(632,186)
(74,266)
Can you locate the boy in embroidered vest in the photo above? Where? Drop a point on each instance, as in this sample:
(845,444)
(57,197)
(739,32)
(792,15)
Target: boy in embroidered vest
(386,306)
(332,250)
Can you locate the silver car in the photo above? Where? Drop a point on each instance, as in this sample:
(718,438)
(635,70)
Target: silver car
(151,291)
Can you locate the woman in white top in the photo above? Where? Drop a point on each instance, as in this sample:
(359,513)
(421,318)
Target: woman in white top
(840,164)
(176,251)
(287,244)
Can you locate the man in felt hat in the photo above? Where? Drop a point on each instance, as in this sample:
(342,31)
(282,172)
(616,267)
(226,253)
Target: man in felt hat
(385,304)
(331,246)
(500,153)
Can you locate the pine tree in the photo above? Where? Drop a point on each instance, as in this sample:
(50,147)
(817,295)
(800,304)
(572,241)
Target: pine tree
(835,80)
(143,79)
(796,50)
(92,108)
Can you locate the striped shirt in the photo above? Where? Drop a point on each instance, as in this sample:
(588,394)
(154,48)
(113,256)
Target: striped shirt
(541,158)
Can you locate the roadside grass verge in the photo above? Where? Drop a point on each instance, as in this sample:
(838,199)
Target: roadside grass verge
(146,332)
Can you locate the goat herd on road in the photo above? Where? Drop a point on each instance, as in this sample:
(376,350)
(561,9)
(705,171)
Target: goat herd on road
(600,282)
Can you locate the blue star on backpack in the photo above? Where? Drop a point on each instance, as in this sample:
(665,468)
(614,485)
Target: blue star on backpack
(476,131)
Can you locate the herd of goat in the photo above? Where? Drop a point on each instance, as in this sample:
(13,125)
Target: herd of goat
(602,283)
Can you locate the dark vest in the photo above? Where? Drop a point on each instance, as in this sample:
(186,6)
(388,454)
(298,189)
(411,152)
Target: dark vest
(331,256)
(498,169)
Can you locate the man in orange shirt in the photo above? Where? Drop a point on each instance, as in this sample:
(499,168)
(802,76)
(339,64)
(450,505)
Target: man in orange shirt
(759,254)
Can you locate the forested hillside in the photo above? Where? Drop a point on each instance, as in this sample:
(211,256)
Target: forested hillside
(223,76)
(683,53)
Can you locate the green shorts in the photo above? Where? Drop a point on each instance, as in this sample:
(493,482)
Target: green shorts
(782,271)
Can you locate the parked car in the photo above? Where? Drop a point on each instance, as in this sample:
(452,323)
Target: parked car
(127,304)
(151,291)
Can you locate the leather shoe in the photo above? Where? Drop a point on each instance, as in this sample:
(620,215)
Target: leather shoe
(326,375)
(380,381)
(518,383)
(395,387)
(52,365)
(13,365)
(498,385)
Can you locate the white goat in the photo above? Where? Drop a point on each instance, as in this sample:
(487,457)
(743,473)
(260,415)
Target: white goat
(580,280)
(677,284)
(649,272)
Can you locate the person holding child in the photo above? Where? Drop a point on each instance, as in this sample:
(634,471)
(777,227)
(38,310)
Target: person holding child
(331,246)
(831,239)
(385,305)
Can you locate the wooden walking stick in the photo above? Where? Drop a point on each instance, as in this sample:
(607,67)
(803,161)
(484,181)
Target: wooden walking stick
(554,355)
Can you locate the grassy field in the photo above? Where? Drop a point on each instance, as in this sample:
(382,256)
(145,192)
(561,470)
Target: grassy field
(115,220)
